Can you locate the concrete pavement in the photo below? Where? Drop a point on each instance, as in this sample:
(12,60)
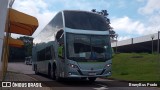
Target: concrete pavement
(12,76)
(20,67)
(18,72)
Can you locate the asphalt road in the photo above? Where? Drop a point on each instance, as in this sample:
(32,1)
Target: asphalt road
(74,84)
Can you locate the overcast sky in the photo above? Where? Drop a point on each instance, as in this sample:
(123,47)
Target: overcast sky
(129,18)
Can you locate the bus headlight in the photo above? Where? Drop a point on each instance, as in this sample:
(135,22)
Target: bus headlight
(73,66)
(108,65)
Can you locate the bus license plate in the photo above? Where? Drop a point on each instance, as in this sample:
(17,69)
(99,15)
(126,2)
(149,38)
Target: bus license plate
(92,73)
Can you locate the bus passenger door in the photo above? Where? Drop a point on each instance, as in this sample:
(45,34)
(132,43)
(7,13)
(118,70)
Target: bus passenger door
(62,59)
(60,40)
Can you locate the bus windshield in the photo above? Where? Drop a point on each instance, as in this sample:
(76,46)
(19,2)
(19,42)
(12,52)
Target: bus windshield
(85,48)
(84,21)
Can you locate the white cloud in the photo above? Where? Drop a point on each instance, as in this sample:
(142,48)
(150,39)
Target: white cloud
(150,7)
(36,8)
(151,11)
(154,22)
(128,25)
(41,9)
(134,27)
(123,38)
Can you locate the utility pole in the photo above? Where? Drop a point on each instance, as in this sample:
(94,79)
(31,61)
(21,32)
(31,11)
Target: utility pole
(158,45)
(158,53)
(11,3)
(152,37)
(116,36)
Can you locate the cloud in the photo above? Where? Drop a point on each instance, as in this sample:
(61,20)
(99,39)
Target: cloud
(44,10)
(128,25)
(151,7)
(123,38)
(151,11)
(36,8)
(134,28)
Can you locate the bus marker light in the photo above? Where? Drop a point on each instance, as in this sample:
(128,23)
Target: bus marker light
(70,73)
(73,66)
(108,65)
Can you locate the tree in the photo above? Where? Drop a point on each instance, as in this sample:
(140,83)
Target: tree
(28,43)
(16,54)
(105,14)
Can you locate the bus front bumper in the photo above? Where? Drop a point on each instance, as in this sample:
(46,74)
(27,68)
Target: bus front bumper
(78,76)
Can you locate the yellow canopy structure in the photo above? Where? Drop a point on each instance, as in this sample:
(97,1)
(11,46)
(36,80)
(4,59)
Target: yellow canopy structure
(15,43)
(21,23)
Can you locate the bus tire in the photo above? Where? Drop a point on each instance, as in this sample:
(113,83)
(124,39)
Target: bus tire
(54,72)
(92,79)
(57,78)
(49,70)
(36,71)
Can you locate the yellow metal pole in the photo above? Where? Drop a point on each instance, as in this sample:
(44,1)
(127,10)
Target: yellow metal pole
(6,49)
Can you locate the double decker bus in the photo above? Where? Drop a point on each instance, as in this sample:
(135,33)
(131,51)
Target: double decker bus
(73,44)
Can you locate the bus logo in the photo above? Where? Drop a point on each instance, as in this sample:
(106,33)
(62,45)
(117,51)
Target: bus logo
(6,84)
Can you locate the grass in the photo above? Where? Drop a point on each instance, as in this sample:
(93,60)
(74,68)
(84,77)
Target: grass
(136,67)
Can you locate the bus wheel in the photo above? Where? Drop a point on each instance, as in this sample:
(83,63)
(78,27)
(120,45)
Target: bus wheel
(57,78)
(36,71)
(49,70)
(54,73)
(92,79)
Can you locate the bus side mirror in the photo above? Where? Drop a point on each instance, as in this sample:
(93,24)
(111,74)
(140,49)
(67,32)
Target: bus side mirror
(59,34)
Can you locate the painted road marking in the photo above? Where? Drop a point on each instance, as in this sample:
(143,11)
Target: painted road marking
(103,87)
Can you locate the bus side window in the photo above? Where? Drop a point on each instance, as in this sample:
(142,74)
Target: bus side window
(48,55)
(53,52)
(41,55)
